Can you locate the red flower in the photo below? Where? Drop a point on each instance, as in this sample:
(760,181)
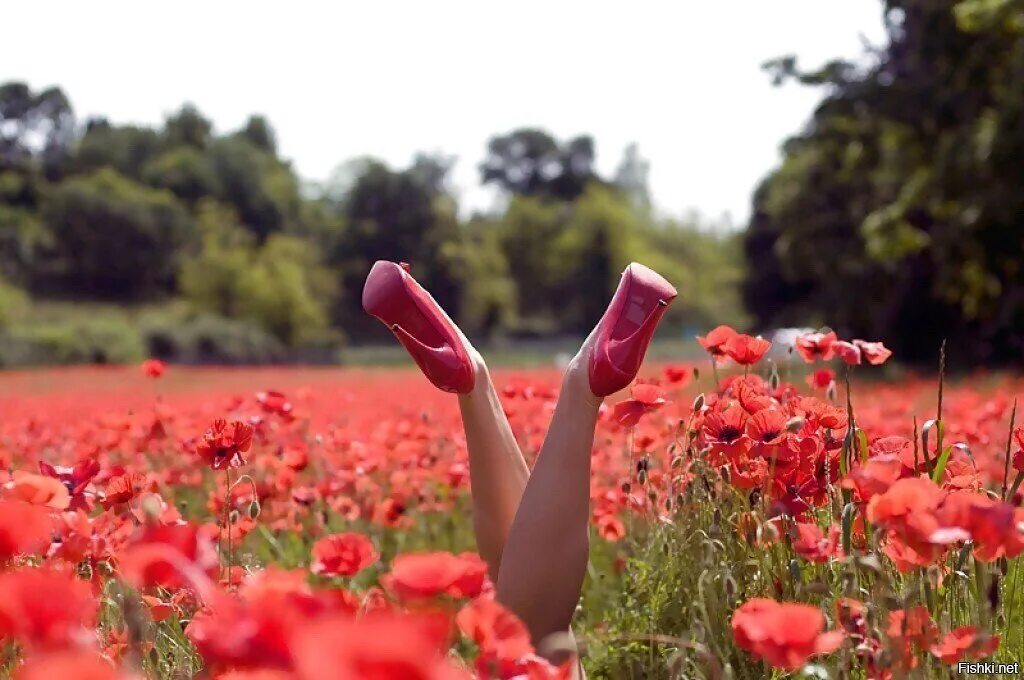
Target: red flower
(224,443)
(767,427)
(812,545)
(965,641)
(24,529)
(875,353)
(784,634)
(153,368)
(813,346)
(821,378)
(172,556)
(46,608)
(646,399)
(874,476)
(746,350)
(678,375)
(40,490)
(498,632)
(124,488)
(725,427)
(907,508)
(848,352)
(343,554)
(78,664)
(423,575)
(76,479)
(715,341)
(378,647)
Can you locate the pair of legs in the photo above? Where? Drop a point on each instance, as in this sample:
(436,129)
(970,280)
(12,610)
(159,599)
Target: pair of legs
(532,528)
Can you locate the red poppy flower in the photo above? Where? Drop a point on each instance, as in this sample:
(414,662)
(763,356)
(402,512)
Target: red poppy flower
(875,353)
(153,368)
(678,375)
(646,399)
(746,350)
(767,427)
(821,378)
(848,352)
(715,341)
(343,554)
(784,634)
(814,346)
(274,402)
(24,529)
(910,629)
(224,443)
(76,479)
(874,476)
(46,608)
(907,508)
(610,527)
(40,490)
(965,641)
(172,556)
(124,488)
(377,647)
(497,632)
(79,664)
(725,427)
(812,544)
(423,575)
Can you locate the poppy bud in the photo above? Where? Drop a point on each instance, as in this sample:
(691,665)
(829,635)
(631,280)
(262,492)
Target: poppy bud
(774,380)
(795,424)
(830,391)
(254,509)
(794,571)
(696,373)
(641,477)
(677,462)
(626,487)
(698,403)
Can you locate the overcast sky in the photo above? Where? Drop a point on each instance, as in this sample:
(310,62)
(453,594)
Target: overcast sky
(345,79)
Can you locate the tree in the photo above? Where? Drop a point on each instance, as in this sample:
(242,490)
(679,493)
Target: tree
(114,238)
(530,162)
(631,178)
(400,215)
(904,187)
(34,126)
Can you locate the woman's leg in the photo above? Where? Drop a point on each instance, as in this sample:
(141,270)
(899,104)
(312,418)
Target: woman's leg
(547,549)
(497,469)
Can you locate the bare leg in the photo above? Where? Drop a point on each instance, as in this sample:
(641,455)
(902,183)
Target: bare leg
(547,549)
(498,471)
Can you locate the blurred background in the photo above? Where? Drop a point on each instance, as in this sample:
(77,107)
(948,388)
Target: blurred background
(210,182)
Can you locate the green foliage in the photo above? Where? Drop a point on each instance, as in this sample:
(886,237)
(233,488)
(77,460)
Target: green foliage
(128,213)
(115,238)
(905,188)
(104,340)
(212,339)
(281,285)
(13,303)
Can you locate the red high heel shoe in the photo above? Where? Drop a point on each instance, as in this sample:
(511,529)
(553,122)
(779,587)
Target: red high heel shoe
(625,330)
(394,297)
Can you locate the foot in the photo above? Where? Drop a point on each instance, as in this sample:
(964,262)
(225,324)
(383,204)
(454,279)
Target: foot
(620,340)
(437,346)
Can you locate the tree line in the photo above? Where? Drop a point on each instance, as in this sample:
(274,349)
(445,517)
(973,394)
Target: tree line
(244,260)
(898,212)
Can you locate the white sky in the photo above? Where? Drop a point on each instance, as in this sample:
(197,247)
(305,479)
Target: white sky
(386,78)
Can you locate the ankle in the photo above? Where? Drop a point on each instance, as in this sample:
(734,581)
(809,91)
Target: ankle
(576,380)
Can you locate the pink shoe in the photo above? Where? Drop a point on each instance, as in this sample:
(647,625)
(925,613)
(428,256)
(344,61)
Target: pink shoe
(626,329)
(394,297)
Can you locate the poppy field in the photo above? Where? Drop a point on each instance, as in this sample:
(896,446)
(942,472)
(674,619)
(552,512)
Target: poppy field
(806,511)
